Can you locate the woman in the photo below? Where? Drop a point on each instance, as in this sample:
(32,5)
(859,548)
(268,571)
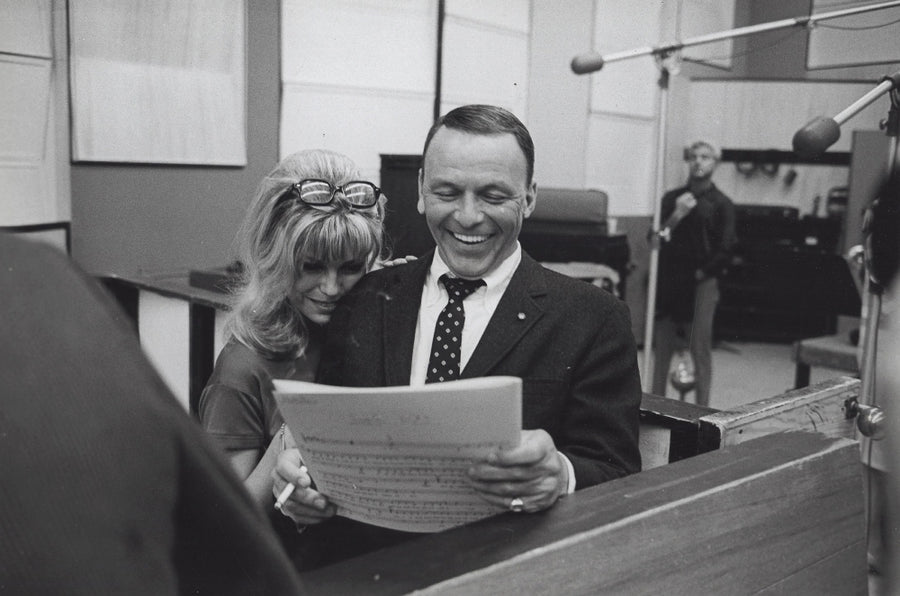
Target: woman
(312,231)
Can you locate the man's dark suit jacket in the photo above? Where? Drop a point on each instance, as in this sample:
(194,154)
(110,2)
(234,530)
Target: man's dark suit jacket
(569,341)
(108,486)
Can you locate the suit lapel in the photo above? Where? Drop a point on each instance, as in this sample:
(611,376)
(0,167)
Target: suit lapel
(401,313)
(519,309)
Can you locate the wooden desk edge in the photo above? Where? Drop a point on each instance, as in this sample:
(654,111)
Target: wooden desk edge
(436,558)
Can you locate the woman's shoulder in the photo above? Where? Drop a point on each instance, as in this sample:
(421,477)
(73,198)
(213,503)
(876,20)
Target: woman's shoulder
(240,366)
(234,354)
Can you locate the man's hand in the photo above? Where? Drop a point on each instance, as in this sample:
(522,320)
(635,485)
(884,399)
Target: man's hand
(306,505)
(684,203)
(533,472)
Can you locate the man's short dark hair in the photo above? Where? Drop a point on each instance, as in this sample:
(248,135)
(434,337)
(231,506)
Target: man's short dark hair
(481,119)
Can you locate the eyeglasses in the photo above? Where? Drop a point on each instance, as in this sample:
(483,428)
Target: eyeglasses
(358,193)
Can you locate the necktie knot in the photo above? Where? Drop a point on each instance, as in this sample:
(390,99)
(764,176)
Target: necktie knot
(459,288)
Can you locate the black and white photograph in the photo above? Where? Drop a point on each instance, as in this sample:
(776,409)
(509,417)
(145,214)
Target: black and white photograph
(385,297)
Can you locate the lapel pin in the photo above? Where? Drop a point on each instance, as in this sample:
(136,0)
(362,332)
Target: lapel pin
(521,316)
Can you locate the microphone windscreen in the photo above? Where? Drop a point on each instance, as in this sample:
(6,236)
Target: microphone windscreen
(586,63)
(818,135)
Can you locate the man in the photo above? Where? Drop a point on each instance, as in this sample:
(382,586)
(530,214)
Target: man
(697,240)
(569,341)
(108,486)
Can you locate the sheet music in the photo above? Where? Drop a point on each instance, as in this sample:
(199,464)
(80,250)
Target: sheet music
(396,456)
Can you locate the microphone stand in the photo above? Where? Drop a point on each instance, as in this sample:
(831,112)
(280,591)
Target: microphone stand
(812,140)
(590,62)
(653,273)
(874,289)
(870,419)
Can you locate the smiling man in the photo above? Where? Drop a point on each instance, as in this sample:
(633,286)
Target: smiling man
(569,341)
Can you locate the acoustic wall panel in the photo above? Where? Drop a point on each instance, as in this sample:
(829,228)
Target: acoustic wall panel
(702,17)
(361,123)
(513,15)
(34,158)
(26,28)
(159,82)
(766,114)
(865,38)
(486,54)
(621,161)
(357,77)
(484,64)
(24,105)
(627,87)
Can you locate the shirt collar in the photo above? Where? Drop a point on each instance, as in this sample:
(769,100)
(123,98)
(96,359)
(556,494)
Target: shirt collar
(494,281)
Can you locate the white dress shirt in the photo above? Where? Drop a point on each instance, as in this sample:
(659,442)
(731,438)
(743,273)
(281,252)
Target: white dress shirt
(479,307)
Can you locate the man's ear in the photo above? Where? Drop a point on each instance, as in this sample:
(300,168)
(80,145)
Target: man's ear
(420,204)
(530,199)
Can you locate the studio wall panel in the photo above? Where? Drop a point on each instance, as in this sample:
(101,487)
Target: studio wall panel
(361,123)
(766,114)
(485,64)
(24,104)
(34,156)
(26,27)
(620,160)
(159,82)
(855,40)
(371,44)
(627,87)
(508,14)
(702,17)
(357,77)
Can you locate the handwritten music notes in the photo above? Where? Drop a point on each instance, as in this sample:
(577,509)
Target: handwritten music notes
(397,456)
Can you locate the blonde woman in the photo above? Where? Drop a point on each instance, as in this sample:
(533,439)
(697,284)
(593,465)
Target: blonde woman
(313,230)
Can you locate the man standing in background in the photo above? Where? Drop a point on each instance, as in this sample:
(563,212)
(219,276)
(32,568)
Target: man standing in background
(696,244)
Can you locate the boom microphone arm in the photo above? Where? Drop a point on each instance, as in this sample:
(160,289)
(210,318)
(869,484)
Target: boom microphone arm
(592,61)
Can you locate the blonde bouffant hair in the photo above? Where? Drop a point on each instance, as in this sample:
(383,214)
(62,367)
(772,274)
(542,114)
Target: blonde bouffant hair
(279,233)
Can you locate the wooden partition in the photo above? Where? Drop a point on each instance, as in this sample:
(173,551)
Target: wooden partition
(775,515)
(763,499)
(689,430)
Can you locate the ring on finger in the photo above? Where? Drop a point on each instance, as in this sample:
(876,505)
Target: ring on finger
(517,505)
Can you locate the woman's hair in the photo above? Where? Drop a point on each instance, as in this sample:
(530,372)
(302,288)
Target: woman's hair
(279,233)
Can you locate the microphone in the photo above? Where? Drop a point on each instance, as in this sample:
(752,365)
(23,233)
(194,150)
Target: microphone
(818,135)
(586,63)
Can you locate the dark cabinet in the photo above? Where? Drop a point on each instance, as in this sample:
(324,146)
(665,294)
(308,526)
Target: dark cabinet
(787,280)
(407,233)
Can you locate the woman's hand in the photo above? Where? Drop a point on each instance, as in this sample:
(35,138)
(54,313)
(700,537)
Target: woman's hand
(306,505)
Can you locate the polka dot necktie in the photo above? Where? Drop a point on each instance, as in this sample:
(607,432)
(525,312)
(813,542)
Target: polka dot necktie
(443,364)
